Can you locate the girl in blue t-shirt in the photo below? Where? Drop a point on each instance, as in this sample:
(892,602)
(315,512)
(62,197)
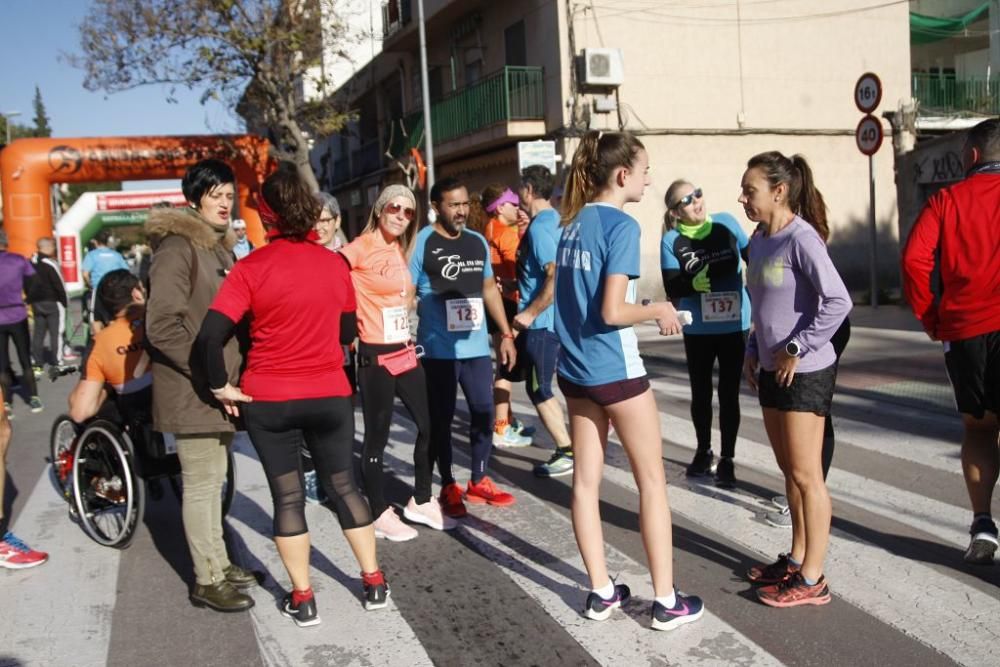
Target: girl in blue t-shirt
(600,371)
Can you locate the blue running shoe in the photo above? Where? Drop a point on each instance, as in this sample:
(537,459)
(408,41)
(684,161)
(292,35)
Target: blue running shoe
(598,609)
(687,609)
(522,429)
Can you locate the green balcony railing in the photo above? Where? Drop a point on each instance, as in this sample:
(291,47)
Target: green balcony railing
(512,93)
(948,94)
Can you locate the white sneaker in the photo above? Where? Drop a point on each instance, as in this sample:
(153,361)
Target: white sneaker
(510,438)
(390,527)
(429,514)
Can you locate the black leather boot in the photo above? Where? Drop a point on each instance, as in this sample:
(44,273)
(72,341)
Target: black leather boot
(220,596)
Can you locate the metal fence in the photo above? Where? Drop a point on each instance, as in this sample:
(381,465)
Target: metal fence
(949,94)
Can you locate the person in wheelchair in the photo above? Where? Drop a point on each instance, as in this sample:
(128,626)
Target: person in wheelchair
(117,383)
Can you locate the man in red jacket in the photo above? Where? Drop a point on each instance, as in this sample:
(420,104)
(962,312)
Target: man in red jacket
(958,235)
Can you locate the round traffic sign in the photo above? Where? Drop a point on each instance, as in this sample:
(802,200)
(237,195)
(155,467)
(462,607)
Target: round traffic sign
(869,135)
(868,92)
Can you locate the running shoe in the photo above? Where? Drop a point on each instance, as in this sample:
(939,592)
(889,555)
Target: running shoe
(984,542)
(16,555)
(598,609)
(36,404)
(725,473)
(428,514)
(376,590)
(303,613)
(451,501)
(521,428)
(390,527)
(485,491)
(510,438)
(69,354)
(687,609)
(560,463)
(781,502)
(776,572)
(701,464)
(38,371)
(779,519)
(795,592)
(315,494)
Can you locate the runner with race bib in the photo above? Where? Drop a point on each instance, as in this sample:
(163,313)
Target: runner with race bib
(450,266)
(700,257)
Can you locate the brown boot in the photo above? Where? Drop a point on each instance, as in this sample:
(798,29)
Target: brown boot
(220,596)
(240,577)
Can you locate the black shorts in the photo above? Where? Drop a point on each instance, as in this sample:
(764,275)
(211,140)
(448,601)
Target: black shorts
(974,369)
(509,309)
(809,392)
(605,394)
(520,371)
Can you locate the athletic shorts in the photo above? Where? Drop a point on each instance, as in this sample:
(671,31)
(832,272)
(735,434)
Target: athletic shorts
(809,392)
(605,394)
(541,352)
(974,369)
(509,309)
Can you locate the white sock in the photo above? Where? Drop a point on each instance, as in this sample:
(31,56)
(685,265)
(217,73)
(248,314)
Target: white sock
(668,601)
(607,592)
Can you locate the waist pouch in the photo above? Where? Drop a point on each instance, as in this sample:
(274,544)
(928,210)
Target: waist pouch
(397,363)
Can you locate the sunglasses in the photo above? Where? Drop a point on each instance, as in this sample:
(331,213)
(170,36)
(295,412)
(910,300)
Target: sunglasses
(393,209)
(686,201)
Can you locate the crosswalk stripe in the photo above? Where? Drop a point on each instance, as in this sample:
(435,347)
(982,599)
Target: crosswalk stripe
(70,599)
(348,634)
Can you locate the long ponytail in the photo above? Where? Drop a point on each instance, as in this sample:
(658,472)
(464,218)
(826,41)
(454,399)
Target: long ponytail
(594,161)
(804,198)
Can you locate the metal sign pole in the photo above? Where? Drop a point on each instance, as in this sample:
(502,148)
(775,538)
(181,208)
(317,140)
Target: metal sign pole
(874,230)
(425,90)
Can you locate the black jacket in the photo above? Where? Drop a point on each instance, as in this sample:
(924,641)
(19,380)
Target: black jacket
(46,284)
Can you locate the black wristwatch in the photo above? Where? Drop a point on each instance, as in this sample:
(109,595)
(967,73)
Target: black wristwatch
(792,348)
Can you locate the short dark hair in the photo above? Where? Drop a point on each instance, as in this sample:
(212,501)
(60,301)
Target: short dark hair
(292,200)
(203,176)
(115,290)
(540,179)
(103,236)
(445,185)
(986,137)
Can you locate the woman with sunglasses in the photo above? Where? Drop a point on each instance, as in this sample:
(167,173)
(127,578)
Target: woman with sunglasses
(701,261)
(387,364)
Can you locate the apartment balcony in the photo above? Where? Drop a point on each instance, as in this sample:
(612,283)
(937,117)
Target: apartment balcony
(507,104)
(396,15)
(947,95)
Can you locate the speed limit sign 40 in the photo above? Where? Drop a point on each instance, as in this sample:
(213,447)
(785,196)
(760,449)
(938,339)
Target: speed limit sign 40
(868,92)
(869,135)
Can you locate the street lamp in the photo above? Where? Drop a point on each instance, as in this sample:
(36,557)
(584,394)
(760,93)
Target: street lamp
(7,115)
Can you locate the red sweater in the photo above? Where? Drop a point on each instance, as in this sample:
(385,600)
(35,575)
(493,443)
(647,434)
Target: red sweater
(958,233)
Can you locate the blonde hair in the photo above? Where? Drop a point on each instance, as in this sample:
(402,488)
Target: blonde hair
(390,192)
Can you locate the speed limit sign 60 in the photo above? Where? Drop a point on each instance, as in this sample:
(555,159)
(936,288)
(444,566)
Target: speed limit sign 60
(868,92)
(869,135)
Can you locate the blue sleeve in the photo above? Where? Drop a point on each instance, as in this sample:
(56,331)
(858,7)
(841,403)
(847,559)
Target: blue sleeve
(668,260)
(487,265)
(88,262)
(734,227)
(623,249)
(417,259)
(544,242)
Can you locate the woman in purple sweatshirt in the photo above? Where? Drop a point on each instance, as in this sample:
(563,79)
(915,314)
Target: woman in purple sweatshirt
(798,302)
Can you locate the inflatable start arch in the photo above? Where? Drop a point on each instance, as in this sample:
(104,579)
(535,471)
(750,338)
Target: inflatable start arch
(28,167)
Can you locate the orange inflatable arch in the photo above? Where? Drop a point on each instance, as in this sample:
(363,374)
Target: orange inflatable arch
(28,167)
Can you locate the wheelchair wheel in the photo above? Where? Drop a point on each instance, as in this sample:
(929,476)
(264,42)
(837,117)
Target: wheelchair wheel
(109,496)
(228,487)
(61,440)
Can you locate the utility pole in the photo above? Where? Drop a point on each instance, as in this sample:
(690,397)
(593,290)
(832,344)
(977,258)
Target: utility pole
(426,94)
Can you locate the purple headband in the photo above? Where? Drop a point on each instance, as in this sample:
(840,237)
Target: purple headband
(505,198)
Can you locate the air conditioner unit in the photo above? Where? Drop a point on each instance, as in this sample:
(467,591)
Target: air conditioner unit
(602,67)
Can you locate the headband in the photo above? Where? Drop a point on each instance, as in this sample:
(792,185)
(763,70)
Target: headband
(507,197)
(389,193)
(267,214)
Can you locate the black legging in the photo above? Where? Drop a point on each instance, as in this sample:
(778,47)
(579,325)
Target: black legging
(277,429)
(839,342)
(378,392)
(18,331)
(702,351)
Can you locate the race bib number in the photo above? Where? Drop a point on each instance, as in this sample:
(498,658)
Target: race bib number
(720,307)
(395,324)
(464,314)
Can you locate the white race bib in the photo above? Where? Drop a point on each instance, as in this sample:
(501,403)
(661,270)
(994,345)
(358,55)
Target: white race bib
(395,324)
(464,314)
(720,307)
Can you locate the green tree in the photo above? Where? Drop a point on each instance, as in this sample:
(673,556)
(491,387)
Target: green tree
(252,55)
(17,131)
(42,127)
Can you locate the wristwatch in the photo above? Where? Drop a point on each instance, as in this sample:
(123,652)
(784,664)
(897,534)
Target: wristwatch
(792,348)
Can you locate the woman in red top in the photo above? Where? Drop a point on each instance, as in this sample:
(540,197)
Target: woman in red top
(294,385)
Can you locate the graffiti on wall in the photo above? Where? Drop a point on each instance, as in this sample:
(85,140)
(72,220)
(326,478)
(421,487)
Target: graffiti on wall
(942,167)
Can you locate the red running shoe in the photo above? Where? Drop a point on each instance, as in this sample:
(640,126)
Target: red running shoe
(795,592)
(775,573)
(487,492)
(451,501)
(16,555)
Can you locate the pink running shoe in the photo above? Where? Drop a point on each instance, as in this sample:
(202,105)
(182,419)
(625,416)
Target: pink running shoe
(429,514)
(390,527)
(16,555)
